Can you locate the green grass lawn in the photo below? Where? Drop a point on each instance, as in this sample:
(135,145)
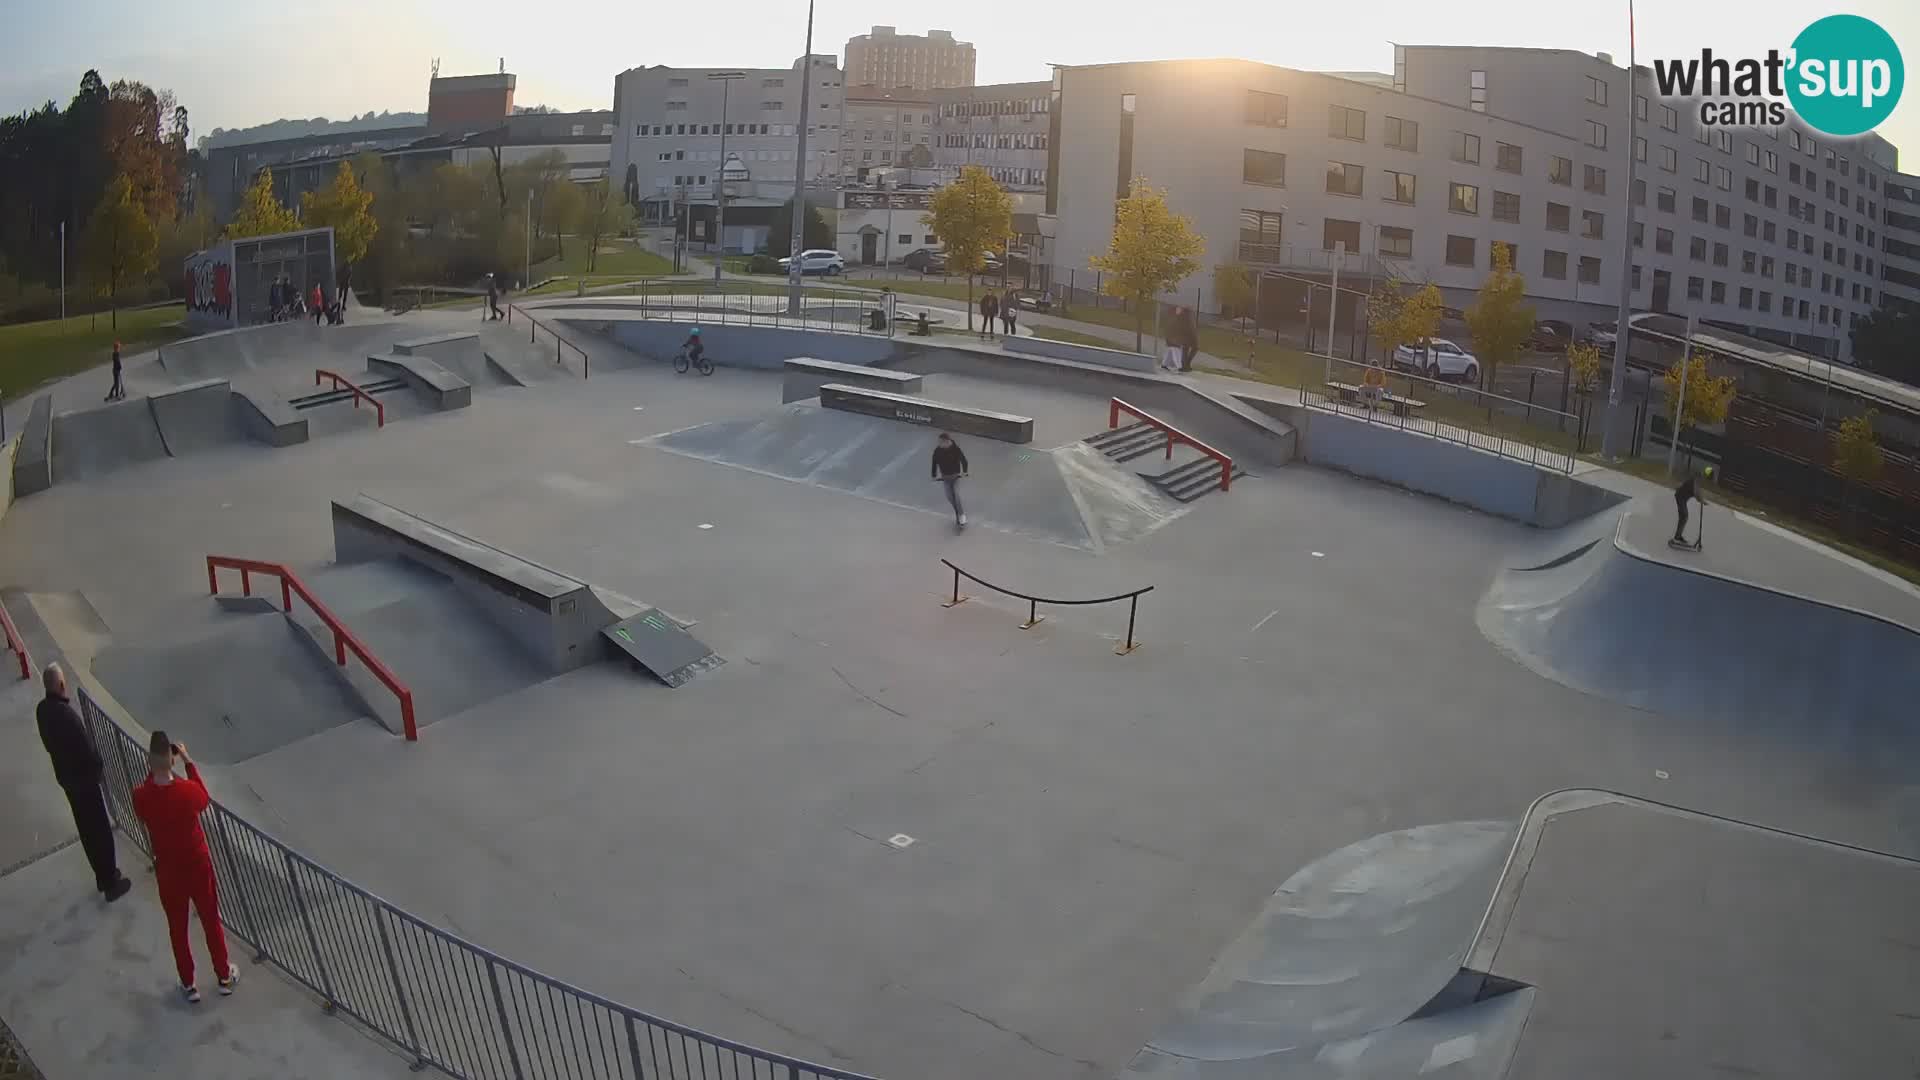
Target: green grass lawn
(37,352)
(624,259)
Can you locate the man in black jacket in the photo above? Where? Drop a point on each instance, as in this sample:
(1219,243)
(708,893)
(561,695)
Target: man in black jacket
(77,766)
(949,467)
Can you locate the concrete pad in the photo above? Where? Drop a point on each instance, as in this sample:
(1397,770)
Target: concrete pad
(89,989)
(93,442)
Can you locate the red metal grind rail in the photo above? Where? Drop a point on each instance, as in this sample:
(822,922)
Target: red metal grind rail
(341,382)
(343,639)
(15,643)
(1174,435)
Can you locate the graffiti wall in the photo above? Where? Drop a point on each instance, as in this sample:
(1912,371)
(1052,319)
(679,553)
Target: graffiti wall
(210,289)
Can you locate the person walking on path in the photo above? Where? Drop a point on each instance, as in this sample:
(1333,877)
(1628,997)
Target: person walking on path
(78,769)
(1008,313)
(949,468)
(989,307)
(1184,335)
(118,390)
(493,298)
(169,805)
(1687,491)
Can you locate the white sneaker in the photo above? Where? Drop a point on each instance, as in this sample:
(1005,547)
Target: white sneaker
(191,993)
(233,976)
(963,521)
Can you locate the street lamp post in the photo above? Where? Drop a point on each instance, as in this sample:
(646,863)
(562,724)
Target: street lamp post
(1625,311)
(726,80)
(796,238)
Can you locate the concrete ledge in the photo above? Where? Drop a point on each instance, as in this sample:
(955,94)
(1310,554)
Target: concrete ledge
(959,418)
(806,375)
(441,388)
(506,368)
(193,416)
(1091,354)
(33,461)
(427,346)
(269,419)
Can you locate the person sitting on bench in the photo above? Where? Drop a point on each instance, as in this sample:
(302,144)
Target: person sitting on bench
(1373,385)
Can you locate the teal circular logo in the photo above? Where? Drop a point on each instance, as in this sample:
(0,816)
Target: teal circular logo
(1846,75)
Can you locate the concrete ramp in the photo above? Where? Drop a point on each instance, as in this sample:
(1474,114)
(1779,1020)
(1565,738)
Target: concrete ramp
(298,347)
(196,416)
(465,356)
(93,442)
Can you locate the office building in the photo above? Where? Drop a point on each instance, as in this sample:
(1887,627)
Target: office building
(1775,233)
(1900,242)
(878,132)
(887,58)
(1001,127)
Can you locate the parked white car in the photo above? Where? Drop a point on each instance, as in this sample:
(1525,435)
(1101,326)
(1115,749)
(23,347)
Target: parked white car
(818,261)
(1441,359)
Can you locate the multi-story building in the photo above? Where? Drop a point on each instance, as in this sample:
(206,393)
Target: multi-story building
(878,131)
(670,124)
(1771,232)
(1900,242)
(886,58)
(1001,126)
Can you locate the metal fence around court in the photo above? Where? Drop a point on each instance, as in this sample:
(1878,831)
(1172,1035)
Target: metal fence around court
(1505,426)
(447,1002)
(753,304)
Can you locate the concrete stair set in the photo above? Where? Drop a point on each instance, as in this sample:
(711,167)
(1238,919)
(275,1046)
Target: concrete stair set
(1192,478)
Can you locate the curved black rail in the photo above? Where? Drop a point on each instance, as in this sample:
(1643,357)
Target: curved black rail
(1033,602)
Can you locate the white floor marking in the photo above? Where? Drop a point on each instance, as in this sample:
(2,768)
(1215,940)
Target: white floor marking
(1319,554)
(1660,774)
(900,840)
(704,525)
(1263,622)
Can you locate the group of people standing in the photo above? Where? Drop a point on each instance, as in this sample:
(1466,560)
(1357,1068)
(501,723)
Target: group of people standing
(1005,308)
(168,803)
(286,302)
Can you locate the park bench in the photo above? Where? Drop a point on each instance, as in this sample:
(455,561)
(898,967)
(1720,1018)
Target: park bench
(1356,395)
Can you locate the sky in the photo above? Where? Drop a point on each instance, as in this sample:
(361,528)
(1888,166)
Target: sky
(234,63)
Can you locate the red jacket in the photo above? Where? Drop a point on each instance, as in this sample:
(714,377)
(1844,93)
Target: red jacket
(171,813)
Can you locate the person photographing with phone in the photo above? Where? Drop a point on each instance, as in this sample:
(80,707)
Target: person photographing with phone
(169,804)
(949,468)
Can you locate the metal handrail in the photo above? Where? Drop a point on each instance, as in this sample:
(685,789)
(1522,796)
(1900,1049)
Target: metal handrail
(15,643)
(447,1002)
(1034,618)
(534,326)
(341,382)
(1452,430)
(344,640)
(1174,434)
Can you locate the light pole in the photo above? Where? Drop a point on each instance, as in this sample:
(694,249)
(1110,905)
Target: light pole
(1626,260)
(726,80)
(528,284)
(796,238)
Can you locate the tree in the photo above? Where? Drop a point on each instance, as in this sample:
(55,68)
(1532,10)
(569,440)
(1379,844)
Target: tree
(347,208)
(1707,399)
(1857,456)
(558,210)
(1887,342)
(1152,251)
(121,245)
(1235,291)
(601,215)
(1399,318)
(815,233)
(1583,367)
(260,212)
(972,216)
(1501,320)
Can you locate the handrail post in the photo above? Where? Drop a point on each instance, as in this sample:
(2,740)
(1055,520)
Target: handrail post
(213,578)
(286,596)
(1113,413)
(239,889)
(399,994)
(1226,475)
(506,1029)
(313,942)
(246,582)
(1133,608)
(406,716)
(339,647)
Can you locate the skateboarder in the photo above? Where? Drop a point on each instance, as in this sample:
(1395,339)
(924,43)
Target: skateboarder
(117,390)
(1681,495)
(949,468)
(78,770)
(493,299)
(170,805)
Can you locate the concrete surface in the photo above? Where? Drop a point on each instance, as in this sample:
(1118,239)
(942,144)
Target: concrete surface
(31,470)
(195,416)
(439,388)
(1120,358)
(103,439)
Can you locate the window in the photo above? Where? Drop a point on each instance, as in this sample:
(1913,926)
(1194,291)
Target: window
(1466,148)
(1596,134)
(905,238)
(1559,217)
(1596,179)
(1639,148)
(1403,134)
(1596,90)
(1773,162)
(1560,171)
(1639,234)
(1266,110)
(1463,198)
(1703,170)
(1723,140)
(1396,242)
(1669,119)
(1636,278)
(1263,168)
(1752,191)
(1722,216)
(1766,266)
(1400,187)
(1664,199)
(1701,136)
(1696,288)
(1793,172)
(1477,91)
(1506,207)
(1669,159)
(1663,241)
(1345,179)
(1700,208)
(1257,227)
(1722,178)
(1506,157)
(1553,265)
(1697,248)
(1590,269)
(1497,246)
(1746,297)
(1767,231)
(1753,153)
(1639,107)
(1749,262)
(1718,294)
(1772,197)
(1460,251)
(1345,123)
(1593,224)
(1719,254)
(1750,225)
(1639,192)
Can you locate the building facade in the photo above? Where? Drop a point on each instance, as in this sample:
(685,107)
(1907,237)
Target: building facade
(878,131)
(884,57)
(1001,127)
(669,129)
(1900,242)
(1774,233)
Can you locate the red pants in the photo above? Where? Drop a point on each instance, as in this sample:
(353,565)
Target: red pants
(193,884)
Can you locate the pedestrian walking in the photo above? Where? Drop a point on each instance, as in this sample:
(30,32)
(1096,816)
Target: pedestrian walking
(949,468)
(319,301)
(1687,492)
(78,769)
(493,298)
(1008,312)
(118,390)
(1184,334)
(989,307)
(169,804)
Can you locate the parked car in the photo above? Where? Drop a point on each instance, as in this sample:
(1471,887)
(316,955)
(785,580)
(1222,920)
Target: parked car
(1602,334)
(1440,359)
(1034,299)
(926,260)
(817,261)
(1552,335)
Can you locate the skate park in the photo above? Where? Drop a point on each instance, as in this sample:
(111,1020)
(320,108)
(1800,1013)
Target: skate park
(1428,760)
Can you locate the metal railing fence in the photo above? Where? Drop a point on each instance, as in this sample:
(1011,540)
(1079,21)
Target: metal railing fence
(447,1002)
(752,304)
(1505,426)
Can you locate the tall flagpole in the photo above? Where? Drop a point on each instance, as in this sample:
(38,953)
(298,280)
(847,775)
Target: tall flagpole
(1620,333)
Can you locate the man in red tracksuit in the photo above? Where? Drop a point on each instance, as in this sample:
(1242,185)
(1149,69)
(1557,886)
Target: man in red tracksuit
(170,805)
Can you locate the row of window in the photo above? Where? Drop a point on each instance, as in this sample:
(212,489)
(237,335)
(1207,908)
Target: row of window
(994,108)
(645,131)
(994,142)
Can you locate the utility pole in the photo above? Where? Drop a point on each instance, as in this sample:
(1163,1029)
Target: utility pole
(1620,333)
(800,174)
(726,81)
(63,271)
(529,281)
